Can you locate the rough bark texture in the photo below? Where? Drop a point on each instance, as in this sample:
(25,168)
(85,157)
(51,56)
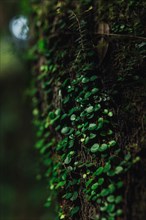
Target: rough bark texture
(89,106)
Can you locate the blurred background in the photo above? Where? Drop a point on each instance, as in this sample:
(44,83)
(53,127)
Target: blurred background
(22,194)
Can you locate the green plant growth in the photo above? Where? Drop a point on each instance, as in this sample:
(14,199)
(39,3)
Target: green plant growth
(78,110)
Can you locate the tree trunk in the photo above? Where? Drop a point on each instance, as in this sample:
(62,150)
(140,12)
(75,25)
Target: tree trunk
(89,106)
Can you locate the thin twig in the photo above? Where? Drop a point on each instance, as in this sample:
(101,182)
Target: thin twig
(134,37)
(80,31)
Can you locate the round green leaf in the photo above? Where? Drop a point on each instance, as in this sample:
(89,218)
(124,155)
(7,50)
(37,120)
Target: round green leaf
(104,192)
(100,181)
(71,143)
(87,95)
(110,198)
(58,111)
(94,198)
(118,199)
(89,109)
(87,140)
(110,132)
(51,115)
(119,212)
(110,114)
(74,197)
(85,80)
(88,182)
(100,119)
(99,201)
(92,126)
(103,147)
(94,90)
(118,169)
(107,167)
(112,188)
(74,210)
(94,148)
(92,78)
(111,173)
(105,111)
(94,186)
(73,117)
(99,171)
(60,184)
(67,160)
(119,184)
(112,143)
(92,136)
(102,208)
(127,157)
(110,208)
(97,107)
(64,130)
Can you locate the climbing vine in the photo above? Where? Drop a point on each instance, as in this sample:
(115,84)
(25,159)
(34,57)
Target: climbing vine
(79,114)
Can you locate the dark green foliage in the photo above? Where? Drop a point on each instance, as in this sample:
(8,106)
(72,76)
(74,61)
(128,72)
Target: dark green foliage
(81,135)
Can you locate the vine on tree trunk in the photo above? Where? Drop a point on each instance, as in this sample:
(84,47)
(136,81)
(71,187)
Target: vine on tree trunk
(83,125)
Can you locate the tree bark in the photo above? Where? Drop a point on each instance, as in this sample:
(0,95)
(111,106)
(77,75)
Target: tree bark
(89,106)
